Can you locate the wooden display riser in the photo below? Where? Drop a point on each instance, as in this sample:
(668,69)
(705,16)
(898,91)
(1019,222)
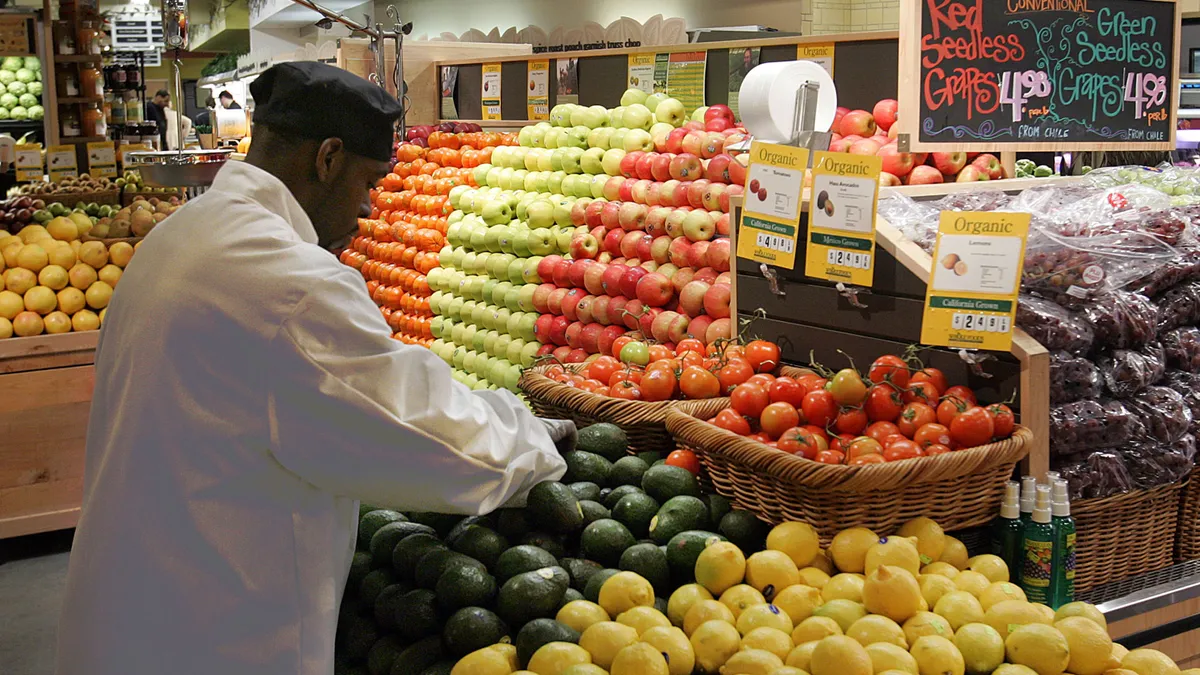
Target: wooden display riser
(45,394)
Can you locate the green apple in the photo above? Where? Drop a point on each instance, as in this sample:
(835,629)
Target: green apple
(592,117)
(630,97)
(638,116)
(616,118)
(500,348)
(554,182)
(563,237)
(518,181)
(551,137)
(541,241)
(496,212)
(490,343)
(477,241)
(525,297)
(539,181)
(498,265)
(560,115)
(523,136)
(530,274)
(460,356)
(637,139)
(571,159)
(513,352)
(480,173)
(529,352)
(583,186)
(499,291)
(654,99)
(576,137)
(521,241)
(456,194)
(598,182)
(611,161)
(493,176)
(539,213)
(500,318)
(592,161)
(512,300)
(470,359)
(562,211)
(599,138)
(617,140)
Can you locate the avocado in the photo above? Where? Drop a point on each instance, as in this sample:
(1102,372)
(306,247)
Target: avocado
(593,511)
(373,584)
(419,656)
(604,541)
(482,544)
(744,529)
(628,471)
(532,595)
(614,496)
(370,522)
(663,482)
(410,549)
(466,523)
(553,507)
(580,570)
(382,654)
(386,538)
(442,522)
(660,603)
(585,490)
(677,515)
(570,595)
(635,511)
(513,523)
(360,565)
(540,632)
(586,467)
(355,637)
(522,558)
(465,586)
(385,605)
(650,562)
(604,439)
(417,614)
(435,561)
(472,628)
(439,668)
(592,590)
(718,506)
(682,551)
(343,667)
(551,543)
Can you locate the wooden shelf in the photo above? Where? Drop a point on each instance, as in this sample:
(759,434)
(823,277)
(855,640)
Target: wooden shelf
(70,100)
(83,139)
(78,58)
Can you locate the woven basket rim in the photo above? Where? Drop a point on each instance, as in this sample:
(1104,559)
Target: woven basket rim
(1081,507)
(615,410)
(706,438)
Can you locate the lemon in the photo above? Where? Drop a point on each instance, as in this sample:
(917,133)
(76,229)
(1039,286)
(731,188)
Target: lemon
(771,572)
(849,548)
(815,628)
(926,623)
(554,657)
(788,670)
(892,592)
(1013,669)
(970,581)
(801,656)
(713,642)
(1011,613)
(738,598)
(840,655)
(886,656)
(893,671)
(682,600)
(798,540)
(487,661)
(959,608)
(1191,671)
(1090,646)
(873,628)
(824,562)
(1038,646)
(752,662)
(991,566)
(955,553)
(936,655)
(625,590)
(999,592)
(674,643)
(943,568)
(931,540)
(1046,614)
(1119,671)
(603,640)
(579,614)
(798,601)
(771,639)
(639,659)
(934,586)
(1149,662)
(844,587)
(981,646)
(583,669)
(812,576)
(643,619)
(894,551)
(1083,609)
(705,611)
(844,612)
(764,615)
(720,566)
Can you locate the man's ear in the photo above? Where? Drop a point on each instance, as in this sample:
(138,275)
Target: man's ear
(331,160)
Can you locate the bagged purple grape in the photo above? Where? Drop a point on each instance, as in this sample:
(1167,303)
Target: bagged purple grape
(1122,320)
(1083,266)
(917,221)
(1126,372)
(1073,378)
(1179,306)
(1102,474)
(1053,326)
(1182,347)
(1188,386)
(975,200)
(1182,269)
(1162,412)
(1154,464)
(1085,425)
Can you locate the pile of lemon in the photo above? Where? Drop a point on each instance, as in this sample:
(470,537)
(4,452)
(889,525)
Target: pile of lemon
(53,282)
(909,604)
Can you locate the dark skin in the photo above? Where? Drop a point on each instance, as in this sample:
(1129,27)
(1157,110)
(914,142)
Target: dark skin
(331,183)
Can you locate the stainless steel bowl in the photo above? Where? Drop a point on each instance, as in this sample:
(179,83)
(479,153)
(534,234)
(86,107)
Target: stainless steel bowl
(170,168)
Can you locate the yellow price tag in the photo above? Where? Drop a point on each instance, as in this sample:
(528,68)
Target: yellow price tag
(61,162)
(29,163)
(821,54)
(971,299)
(491,91)
(538,100)
(841,219)
(771,211)
(640,72)
(102,159)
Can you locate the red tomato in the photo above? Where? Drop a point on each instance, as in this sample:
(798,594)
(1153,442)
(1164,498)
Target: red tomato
(962,393)
(554,372)
(802,442)
(696,382)
(669,365)
(932,434)
(685,459)
(625,375)
(913,417)
(818,431)
(749,399)
(936,449)
(762,355)
(734,373)
(658,385)
(603,368)
(760,437)
(949,408)
(841,443)
(594,387)
(851,421)
(787,390)
(831,457)
(625,390)
(692,359)
(619,343)
(930,375)
(973,427)
(883,403)
(893,438)
(902,450)
(923,392)
(765,379)
(847,387)
(1002,420)
(881,430)
(731,421)
(863,445)
(689,345)
(819,408)
(812,382)
(867,459)
(778,418)
(660,353)
(890,369)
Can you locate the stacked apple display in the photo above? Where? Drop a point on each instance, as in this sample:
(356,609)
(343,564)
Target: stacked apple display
(599,222)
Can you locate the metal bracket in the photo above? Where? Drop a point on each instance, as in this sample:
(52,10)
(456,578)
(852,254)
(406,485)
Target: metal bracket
(851,294)
(772,280)
(976,360)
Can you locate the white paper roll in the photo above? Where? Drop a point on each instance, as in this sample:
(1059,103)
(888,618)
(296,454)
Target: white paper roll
(767,99)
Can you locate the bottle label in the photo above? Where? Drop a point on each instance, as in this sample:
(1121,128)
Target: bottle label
(1036,570)
(1069,558)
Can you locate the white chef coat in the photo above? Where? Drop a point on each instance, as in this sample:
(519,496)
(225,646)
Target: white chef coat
(247,393)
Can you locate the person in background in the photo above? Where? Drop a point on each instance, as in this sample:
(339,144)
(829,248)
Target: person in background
(174,142)
(155,112)
(204,117)
(227,101)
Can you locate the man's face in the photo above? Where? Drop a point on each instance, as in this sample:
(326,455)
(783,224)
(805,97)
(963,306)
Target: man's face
(225,101)
(348,197)
(162,101)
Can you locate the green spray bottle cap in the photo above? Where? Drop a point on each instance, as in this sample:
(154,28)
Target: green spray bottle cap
(1062,501)
(1028,486)
(1041,509)
(1010,507)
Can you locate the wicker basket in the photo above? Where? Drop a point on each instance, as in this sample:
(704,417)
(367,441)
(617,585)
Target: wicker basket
(958,490)
(1125,535)
(1187,542)
(70,199)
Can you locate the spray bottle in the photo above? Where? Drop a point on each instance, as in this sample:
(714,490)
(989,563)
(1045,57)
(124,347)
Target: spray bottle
(1064,547)
(1037,567)
(1028,496)
(1008,533)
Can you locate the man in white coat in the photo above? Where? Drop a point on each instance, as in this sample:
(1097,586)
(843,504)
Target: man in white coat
(248,392)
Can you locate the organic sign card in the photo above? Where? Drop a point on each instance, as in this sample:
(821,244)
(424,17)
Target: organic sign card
(61,162)
(538,100)
(641,72)
(821,54)
(29,162)
(491,91)
(102,159)
(841,220)
(1039,74)
(771,207)
(971,299)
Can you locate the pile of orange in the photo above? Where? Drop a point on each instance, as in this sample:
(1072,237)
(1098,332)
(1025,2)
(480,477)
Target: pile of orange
(399,244)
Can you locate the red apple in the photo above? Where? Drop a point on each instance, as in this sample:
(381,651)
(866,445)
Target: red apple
(706,274)
(612,241)
(545,267)
(732,138)
(867,146)
(558,330)
(685,166)
(897,163)
(723,224)
(641,191)
(712,196)
(857,122)
(593,213)
(737,169)
(717,170)
(579,211)
(610,216)
(698,254)
(593,278)
(988,164)
(720,329)
(718,254)
(570,302)
(717,125)
(654,289)
(629,163)
(607,337)
(693,142)
(629,243)
(675,223)
(574,333)
(949,163)
(678,250)
(669,194)
(577,272)
(675,140)
(556,298)
(889,179)
(631,216)
(541,328)
(584,246)
(541,297)
(840,145)
(660,167)
(695,191)
(693,125)
(925,175)
(562,274)
(612,188)
(656,220)
(646,319)
(885,113)
(719,111)
(698,327)
(643,169)
(691,297)
(972,173)
(628,283)
(590,339)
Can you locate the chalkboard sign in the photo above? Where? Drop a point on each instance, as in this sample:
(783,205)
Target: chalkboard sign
(1038,74)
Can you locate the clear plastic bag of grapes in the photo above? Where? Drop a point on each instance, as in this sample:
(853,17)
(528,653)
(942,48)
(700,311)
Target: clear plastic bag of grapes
(1122,320)
(1102,474)
(1073,378)
(1088,425)
(1112,176)
(1179,306)
(1076,268)
(1188,386)
(1183,268)
(1182,348)
(1046,199)
(1053,326)
(1126,371)
(917,221)
(1153,464)
(981,200)
(1162,413)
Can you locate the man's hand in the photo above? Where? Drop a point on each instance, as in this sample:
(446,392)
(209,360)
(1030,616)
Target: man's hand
(562,432)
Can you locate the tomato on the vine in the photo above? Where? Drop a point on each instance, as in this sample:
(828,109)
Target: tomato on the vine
(778,418)
(626,390)
(862,460)
(863,445)
(696,383)
(930,375)
(881,430)
(949,408)
(733,373)
(684,459)
(936,449)
(765,379)
(689,345)
(902,450)
(890,369)
(602,368)
(914,416)
(972,427)
(762,355)
(801,441)
(819,408)
(1002,420)
(962,393)
(731,421)
(625,375)
(812,382)
(636,353)
(831,457)
(658,385)
(594,387)
(818,431)
(787,390)
(554,372)
(841,443)
(691,359)
(932,434)
(619,344)
(749,399)
(847,387)
(883,403)
(760,437)
(660,353)
(851,421)
(922,392)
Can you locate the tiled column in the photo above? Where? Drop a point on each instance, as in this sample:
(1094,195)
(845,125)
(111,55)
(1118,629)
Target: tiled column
(874,15)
